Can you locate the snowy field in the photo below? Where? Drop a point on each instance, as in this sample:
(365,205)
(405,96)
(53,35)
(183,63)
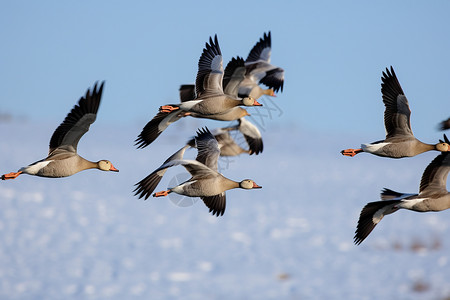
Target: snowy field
(88,237)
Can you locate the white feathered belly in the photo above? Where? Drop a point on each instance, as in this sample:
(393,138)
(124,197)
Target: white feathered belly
(50,168)
(377,148)
(384,149)
(204,188)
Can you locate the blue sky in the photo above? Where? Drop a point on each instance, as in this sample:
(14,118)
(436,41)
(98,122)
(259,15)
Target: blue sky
(333,54)
(110,245)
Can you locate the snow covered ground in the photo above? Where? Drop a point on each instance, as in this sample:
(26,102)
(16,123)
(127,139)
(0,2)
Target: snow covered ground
(88,237)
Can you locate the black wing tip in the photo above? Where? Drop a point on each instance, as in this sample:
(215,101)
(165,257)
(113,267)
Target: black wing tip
(363,229)
(256,146)
(239,59)
(389,74)
(203,133)
(216,204)
(150,132)
(264,42)
(357,240)
(390,85)
(140,142)
(95,92)
(212,46)
(146,187)
(268,38)
(279,87)
(386,191)
(235,62)
(144,139)
(273,79)
(102,83)
(217,213)
(365,223)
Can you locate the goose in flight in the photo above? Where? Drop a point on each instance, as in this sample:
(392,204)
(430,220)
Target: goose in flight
(63,159)
(433,196)
(259,70)
(400,141)
(210,102)
(206,182)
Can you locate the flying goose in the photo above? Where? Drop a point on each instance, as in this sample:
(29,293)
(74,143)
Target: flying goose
(400,141)
(433,196)
(211,101)
(233,76)
(205,182)
(227,146)
(260,70)
(63,160)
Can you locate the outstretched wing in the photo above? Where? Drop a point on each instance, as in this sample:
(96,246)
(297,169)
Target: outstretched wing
(208,148)
(434,178)
(252,136)
(233,76)
(146,186)
(260,69)
(155,127)
(216,204)
(78,121)
(397,113)
(210,70)
(370,216)
(273,78)
(261,50)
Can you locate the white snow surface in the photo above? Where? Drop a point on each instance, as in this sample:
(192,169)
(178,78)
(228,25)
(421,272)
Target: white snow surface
(88,237)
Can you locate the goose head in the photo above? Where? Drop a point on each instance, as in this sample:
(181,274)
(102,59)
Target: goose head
(249,101)
(443,146)
(106,165)
(248,184)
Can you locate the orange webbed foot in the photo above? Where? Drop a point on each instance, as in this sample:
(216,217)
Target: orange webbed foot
(168,108)
(12,175)
(161,194)
(351,152)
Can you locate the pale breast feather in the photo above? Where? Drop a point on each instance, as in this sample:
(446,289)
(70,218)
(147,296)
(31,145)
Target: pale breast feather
(189,104)
(373,148)
(33,169)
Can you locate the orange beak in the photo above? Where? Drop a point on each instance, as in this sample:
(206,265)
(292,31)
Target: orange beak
(256,103)
(255,186)
(113,169)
